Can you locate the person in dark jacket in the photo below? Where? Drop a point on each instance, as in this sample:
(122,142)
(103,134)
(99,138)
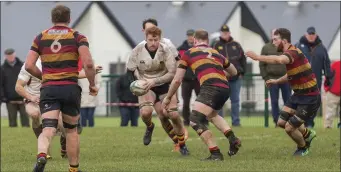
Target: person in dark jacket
(14,102)
(125,96)
(311,46)
(232,50)
(190,82)
(274,71)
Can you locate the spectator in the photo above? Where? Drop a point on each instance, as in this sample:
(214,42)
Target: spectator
(14,102)
(88,102)
(274,71)
(190,82)
(232,50)
(333,95)
(311,46)
(125,96)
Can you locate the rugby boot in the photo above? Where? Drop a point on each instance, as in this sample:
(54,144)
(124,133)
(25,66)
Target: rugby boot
(214,157)
(184,150)
(147,138)
(312,135)
(234,147)
(40,165)
(301,152)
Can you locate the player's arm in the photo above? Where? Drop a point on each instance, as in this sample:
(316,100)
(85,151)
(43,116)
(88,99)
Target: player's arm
(31,59)
(285,58)
(84,52)
(229,68)
(132,65)
(23,79)
(282,79)
(177,80)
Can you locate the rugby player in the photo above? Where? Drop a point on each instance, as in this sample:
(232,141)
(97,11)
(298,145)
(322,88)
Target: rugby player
(166,124)
(211,69)
(28,87)
(155,63)
(59,48)
(305,101)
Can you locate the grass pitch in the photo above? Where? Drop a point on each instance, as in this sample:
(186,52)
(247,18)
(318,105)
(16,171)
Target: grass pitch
(108,147)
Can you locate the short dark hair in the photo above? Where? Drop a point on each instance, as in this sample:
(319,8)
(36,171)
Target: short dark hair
(60,14)
(9,51)
(201,34)
(154,31)
(283,33)
(150,20)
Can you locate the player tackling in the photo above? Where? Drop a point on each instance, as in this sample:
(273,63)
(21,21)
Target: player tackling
(305,101)
(59,48)
(154,62)
(210,68)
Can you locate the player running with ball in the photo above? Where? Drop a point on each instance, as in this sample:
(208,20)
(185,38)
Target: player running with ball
(210,67)
(305,101)
(154,62)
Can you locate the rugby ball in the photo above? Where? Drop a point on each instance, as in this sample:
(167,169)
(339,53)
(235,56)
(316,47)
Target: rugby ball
(137,89)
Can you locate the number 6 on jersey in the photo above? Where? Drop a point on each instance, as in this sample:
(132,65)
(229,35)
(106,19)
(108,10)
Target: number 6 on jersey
(56,46)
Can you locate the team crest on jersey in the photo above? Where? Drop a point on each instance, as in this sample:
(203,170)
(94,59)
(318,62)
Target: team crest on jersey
(220,48)
(234,47)
(142,62)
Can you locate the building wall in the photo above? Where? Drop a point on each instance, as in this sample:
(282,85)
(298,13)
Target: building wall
(334,51)
(106,45)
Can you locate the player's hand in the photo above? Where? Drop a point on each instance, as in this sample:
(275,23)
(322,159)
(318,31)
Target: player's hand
(252,55)
(98,69)
(165,103)
(150,83)
(34,99)
(93,90)
(271,82)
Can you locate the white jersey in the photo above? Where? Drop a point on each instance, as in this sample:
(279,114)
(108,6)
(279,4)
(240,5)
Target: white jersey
(33,84)
(169,43)
(162,67)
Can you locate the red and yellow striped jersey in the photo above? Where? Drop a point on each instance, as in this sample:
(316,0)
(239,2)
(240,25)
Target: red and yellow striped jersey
(300,75)
(207,64)
(58,50)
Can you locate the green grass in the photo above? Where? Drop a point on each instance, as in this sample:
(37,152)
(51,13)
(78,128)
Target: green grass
(108,147)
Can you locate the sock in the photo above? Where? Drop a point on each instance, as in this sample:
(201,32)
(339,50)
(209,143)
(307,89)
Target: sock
(148,122)
(73,168)
(41,155)
(181,139)
(38,131)
(62,141)
(214,150)
(168,127)
(306,133)
(230,135)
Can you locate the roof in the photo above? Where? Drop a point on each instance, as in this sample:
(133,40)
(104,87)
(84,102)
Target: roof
(173,21)
(324,16)
(20,23)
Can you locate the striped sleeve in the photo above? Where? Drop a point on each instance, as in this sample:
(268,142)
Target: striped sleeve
(226,63)
(35,44)
(183,63)
(289,54)
(81,39)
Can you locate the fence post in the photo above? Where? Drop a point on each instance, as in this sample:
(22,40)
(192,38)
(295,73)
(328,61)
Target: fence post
(266,107)
(107,97)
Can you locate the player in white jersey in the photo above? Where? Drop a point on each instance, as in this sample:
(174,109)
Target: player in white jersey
(167,126)
(154,62)
(28,87)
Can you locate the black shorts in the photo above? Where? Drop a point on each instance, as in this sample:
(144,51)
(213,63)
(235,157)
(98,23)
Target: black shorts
(213,96)
(306,107)
(66,98)
(160,90)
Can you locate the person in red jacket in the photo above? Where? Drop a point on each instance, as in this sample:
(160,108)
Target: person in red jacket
(333,95)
